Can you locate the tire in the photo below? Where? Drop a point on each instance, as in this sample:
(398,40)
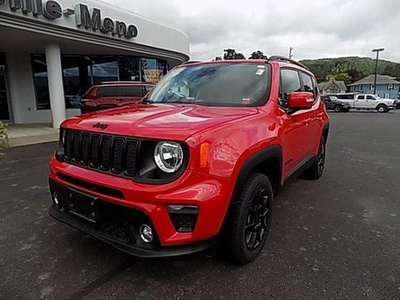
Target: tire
(381,108)
(317,168)
(250,220)
(338,108)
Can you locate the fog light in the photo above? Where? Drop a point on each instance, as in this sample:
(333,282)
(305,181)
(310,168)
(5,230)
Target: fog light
(146,233)
(55,197)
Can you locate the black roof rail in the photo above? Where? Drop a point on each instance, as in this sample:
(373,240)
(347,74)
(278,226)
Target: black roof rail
(283,58)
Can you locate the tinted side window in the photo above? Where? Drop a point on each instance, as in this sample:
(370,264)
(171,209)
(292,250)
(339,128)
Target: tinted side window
(361,97)
(370,97)
(107,91)
(348,97)
(326,98)
(131,91)
(290,82)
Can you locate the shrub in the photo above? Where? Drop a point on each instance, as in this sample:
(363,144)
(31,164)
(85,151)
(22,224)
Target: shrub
(4,137)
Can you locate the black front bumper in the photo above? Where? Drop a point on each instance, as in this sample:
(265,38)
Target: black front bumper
(116,225)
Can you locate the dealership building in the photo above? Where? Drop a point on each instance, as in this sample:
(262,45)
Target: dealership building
(51,51)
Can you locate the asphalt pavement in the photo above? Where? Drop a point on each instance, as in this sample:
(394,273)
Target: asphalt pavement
(335,238)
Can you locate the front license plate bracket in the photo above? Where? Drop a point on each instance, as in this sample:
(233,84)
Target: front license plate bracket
(83,205)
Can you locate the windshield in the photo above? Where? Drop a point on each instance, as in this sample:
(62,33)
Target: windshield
(223,84)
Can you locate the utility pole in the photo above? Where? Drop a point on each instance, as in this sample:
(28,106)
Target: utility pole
(376,65)
(290,52)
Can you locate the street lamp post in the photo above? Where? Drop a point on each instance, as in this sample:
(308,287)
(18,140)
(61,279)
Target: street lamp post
(376,65)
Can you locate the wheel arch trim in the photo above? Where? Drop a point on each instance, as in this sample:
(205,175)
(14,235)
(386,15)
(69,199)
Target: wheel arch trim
(251,163)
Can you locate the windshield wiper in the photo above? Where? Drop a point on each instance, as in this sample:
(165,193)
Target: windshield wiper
(146,100)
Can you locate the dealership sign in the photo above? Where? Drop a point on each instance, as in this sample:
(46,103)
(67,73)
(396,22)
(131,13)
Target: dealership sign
(89,19)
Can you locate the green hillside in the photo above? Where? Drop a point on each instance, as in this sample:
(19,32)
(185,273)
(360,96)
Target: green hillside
(355,67)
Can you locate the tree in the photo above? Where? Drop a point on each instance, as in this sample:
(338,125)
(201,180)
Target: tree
(258,55)
(355,75)
(340,77)
(232,54)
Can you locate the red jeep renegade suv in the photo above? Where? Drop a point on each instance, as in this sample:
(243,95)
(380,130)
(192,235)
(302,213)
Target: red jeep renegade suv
(113,94)
(199,160)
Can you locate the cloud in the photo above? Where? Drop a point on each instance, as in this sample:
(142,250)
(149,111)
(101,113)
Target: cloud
(324,28)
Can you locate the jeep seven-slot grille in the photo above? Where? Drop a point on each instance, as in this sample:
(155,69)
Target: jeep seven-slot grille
(102,152)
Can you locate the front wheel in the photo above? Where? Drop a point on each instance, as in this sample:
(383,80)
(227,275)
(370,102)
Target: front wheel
(381,108)
(317,168)
(250,220)
(338,108)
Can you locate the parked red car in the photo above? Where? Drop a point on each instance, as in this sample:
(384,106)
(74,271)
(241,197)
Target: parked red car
(113,94)
(198,162)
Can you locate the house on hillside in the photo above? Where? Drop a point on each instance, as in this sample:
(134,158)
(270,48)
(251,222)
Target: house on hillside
(332,86)
(386,86)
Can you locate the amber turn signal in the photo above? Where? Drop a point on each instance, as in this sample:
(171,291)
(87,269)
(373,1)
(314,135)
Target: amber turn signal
(204,150)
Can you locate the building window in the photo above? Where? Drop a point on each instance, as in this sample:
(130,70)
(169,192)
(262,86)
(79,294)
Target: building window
(77,78)
(4,111)
(129,68)
(105,68)
(390,87)
(39,69)
(372,87)
(152,70)
(79,72)
(387,96)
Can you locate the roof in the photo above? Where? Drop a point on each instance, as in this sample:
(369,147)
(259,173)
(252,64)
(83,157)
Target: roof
(326,85)
(380,79)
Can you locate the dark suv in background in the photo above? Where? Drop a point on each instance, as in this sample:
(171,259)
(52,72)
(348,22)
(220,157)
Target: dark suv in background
(332,102)
(113,94)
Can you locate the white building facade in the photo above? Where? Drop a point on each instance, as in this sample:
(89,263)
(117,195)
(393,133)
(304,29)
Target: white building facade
(51,51)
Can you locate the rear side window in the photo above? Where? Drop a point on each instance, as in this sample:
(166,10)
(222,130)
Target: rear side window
(361,97)
(107,91)
(131,91)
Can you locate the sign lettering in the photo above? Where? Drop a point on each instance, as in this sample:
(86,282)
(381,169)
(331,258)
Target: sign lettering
(88,19)
(93,20)
(52,10)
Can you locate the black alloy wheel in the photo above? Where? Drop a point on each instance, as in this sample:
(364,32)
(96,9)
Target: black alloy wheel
(321,156)
(317,168)
(249,220)
(258,220)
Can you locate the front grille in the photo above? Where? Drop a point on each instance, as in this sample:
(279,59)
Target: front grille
(102,152)
(116,231)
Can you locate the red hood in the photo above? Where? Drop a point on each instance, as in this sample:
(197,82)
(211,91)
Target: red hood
(159,121)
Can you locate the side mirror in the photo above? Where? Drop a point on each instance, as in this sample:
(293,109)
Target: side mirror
(300,100)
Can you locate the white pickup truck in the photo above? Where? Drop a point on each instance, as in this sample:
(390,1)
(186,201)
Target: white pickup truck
(367,101)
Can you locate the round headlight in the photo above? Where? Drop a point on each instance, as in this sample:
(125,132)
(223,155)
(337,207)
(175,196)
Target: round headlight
(168,156)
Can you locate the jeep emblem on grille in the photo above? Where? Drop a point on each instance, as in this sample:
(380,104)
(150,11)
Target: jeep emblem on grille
(100,125)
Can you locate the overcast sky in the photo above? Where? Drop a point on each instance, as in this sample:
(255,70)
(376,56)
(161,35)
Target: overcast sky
(315,29)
